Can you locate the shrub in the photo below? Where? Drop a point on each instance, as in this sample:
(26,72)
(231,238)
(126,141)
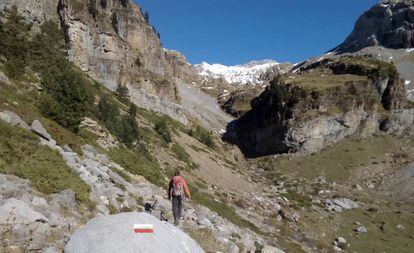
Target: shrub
(66,98)
(129,132)
(92,9)
(125,128)
(124,3)
(114,21)
(104,3)
(139,162)
(162,128)
(122,92)
(181,154)
(202,135)
(14,42)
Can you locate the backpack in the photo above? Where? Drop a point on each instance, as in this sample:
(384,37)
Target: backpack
(178,187)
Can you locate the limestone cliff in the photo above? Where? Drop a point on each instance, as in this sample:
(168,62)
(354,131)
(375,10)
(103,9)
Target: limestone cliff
(113,43)
(320,105)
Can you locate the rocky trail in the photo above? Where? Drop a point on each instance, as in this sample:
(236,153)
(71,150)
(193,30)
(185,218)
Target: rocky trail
(110,192)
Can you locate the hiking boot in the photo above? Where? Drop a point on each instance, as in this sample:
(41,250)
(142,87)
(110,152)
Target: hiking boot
(176,222)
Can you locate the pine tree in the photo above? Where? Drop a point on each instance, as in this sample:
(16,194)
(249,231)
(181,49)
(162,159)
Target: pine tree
(146,17)
(122,92)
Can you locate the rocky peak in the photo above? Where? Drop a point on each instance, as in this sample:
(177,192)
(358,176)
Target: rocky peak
(245,74)
(389,24)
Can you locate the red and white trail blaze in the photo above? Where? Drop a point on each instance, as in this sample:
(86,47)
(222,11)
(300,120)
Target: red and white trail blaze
(143,228)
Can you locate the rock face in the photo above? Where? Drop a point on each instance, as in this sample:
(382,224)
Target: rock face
(116,234)
(117,45)
(114,44)
(389,24)
(15,211)
(32,220)
(34,11)
(295,115)
(13,119)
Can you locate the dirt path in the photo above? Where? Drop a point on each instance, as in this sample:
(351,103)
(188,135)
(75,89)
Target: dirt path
(215,171)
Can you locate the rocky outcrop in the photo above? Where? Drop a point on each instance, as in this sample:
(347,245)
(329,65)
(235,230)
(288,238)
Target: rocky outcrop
(389,24)
(290,116)
(181,68)
(114,45)
(110,192)
(34,11)
(13,119)
(155,104)
(116,234)
(28,221)
(237,103)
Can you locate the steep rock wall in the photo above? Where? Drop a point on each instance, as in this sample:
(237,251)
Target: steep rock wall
(288,117)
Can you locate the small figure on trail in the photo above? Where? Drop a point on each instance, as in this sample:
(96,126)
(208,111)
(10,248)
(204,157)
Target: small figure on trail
(177,190)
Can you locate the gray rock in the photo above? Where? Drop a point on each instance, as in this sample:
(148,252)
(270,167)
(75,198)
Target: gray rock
(270,249)
(4,78)
(400,227)
(50,143)
(115,233)
(40,204)
(343,203)
(205,222)
(89,151)
(65,198)
(38,129)
(15,211)
(13,119)
(51,249)
(162,204)
(386,24)
(361,230)
(66,148)
(340,242)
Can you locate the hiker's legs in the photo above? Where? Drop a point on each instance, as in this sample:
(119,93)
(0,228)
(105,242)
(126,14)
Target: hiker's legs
(180,207)
(177,206)
(175,202)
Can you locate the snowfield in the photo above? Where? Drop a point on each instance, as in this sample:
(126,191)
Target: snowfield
(240,74)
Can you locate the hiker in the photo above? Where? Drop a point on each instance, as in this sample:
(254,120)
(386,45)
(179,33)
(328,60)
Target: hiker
(177,190)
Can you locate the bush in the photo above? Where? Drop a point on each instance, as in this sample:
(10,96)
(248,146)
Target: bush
(92,9)
(162,128)
(122,92)
(202,135)
(125,128)
(114,21)
(129,133)
(104,3)
(139,162)
(181,154)
(66,98)
(124,3)
(14,43)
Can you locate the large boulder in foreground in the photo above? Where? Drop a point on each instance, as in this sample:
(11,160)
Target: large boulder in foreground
(115,233)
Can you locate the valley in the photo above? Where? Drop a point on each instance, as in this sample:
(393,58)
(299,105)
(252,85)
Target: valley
(96,117)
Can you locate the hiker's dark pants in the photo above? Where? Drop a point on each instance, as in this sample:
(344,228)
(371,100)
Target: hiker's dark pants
(177,206)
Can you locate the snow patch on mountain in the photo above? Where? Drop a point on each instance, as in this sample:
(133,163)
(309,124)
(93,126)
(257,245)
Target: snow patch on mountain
(249,73)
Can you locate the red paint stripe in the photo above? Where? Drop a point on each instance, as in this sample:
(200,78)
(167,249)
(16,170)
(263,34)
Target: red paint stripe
(143,231)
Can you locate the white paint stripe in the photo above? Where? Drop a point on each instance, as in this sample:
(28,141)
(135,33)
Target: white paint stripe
(143,226)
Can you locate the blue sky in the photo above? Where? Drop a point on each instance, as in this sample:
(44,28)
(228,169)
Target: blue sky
(238,31)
